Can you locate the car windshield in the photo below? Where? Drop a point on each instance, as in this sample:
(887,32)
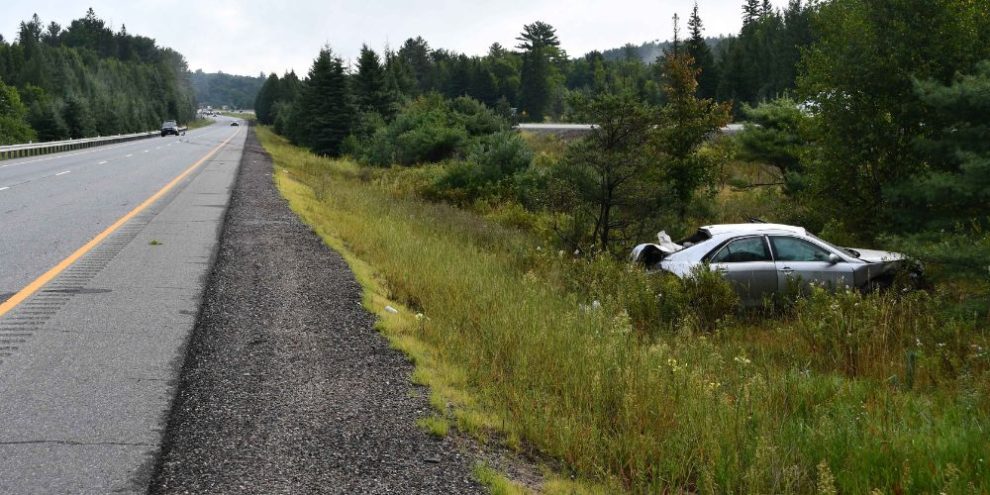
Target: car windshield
(850,252)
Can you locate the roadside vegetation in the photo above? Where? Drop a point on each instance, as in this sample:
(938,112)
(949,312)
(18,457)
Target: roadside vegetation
(504,253)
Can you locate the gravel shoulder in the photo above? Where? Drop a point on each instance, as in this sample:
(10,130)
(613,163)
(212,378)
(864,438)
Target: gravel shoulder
(287,387)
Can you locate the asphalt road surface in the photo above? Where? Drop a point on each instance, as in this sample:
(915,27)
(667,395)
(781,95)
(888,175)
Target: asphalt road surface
(108,268)
(50,205)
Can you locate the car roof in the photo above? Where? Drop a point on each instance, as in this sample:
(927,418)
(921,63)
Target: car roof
(752,228)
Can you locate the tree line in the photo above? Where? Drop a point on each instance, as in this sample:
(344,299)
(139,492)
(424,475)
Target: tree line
(538,78)
(871,110)
(218,89)
(84,80)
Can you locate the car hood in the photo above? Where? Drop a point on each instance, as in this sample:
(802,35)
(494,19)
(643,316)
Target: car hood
(877,256)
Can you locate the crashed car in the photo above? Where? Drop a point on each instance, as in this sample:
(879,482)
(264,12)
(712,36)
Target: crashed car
(762,260)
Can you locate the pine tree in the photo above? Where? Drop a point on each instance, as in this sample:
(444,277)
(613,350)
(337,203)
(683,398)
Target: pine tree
(687,122)
(539,40)
(266,99)
(752,11)
(416,54)
(955,189)
(79,118)
(323,113)
(698,48)
(370,85)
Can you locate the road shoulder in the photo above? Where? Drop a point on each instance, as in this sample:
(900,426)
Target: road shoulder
(287,387)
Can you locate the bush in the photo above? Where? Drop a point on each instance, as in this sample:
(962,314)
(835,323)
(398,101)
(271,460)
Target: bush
(491,161)
(429,130)
(710,297)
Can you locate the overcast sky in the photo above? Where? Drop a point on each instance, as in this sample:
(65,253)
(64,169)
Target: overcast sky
(252,36)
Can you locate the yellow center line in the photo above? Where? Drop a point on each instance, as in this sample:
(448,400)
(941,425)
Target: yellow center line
(40,282)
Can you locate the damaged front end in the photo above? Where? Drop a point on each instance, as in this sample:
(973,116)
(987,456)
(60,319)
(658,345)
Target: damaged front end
(650,254)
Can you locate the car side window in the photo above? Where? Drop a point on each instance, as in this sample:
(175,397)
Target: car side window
(743,250)
(791,249)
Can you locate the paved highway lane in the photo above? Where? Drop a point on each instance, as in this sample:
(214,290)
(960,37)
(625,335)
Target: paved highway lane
(52,205)
(108,251)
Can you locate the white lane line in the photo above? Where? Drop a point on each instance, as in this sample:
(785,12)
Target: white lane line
(63,173)
(145,151)
(104,162)
(4,188)
(129,155)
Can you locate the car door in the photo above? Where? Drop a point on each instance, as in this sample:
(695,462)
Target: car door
(747,264)
(804,261)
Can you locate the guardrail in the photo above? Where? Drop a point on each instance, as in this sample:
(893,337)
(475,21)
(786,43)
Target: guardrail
(579,129)
(32,149)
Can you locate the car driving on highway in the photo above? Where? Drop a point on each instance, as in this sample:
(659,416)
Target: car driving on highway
(763,259)
(170,127)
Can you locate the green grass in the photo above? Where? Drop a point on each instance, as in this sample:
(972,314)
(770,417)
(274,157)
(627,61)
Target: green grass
(197,123)
(437,426)
(631,393)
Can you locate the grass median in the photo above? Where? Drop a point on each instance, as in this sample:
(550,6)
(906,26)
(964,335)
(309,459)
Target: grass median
(506,334)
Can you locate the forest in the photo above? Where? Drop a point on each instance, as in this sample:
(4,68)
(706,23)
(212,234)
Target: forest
(219,90)
(85,80)
(864,123)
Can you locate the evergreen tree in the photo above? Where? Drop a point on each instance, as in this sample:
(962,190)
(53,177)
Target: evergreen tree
(752,11)
(687,122)
(415,52)
(698,48)
(370,85)
(79,118)
(613,168)
(539,42)
(264,102)
(323,114)
(955,188)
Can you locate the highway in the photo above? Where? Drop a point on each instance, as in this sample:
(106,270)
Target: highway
(104,253)
(52,204)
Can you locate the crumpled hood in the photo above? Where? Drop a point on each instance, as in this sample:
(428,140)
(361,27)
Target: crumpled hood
(877,256)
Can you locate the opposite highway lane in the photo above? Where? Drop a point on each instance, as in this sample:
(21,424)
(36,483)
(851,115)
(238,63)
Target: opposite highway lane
(87,360)
(51,205)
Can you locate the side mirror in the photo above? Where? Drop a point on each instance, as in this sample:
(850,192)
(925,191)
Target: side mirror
(833,258)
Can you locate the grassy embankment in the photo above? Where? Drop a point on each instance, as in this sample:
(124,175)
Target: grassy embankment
(198,123)
(841,393)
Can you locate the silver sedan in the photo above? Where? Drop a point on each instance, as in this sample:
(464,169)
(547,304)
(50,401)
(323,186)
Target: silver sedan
(762,259)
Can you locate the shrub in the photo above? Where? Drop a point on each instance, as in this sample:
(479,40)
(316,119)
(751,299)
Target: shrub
(710,297)
(428,130)
(491,161)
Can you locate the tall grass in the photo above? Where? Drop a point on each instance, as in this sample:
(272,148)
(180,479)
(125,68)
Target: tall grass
(605,368)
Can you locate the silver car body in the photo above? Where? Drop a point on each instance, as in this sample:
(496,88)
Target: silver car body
(762,259)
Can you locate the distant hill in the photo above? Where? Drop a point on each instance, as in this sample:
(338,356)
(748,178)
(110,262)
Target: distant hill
(219,89)
(650,50)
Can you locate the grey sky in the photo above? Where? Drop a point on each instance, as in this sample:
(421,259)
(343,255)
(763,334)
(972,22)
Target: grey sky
(252,36)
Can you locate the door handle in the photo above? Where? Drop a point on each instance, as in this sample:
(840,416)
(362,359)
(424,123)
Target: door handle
(787,270)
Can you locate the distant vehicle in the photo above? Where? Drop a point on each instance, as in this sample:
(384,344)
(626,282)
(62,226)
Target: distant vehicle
(170,127)
(234,123)
(763,259)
